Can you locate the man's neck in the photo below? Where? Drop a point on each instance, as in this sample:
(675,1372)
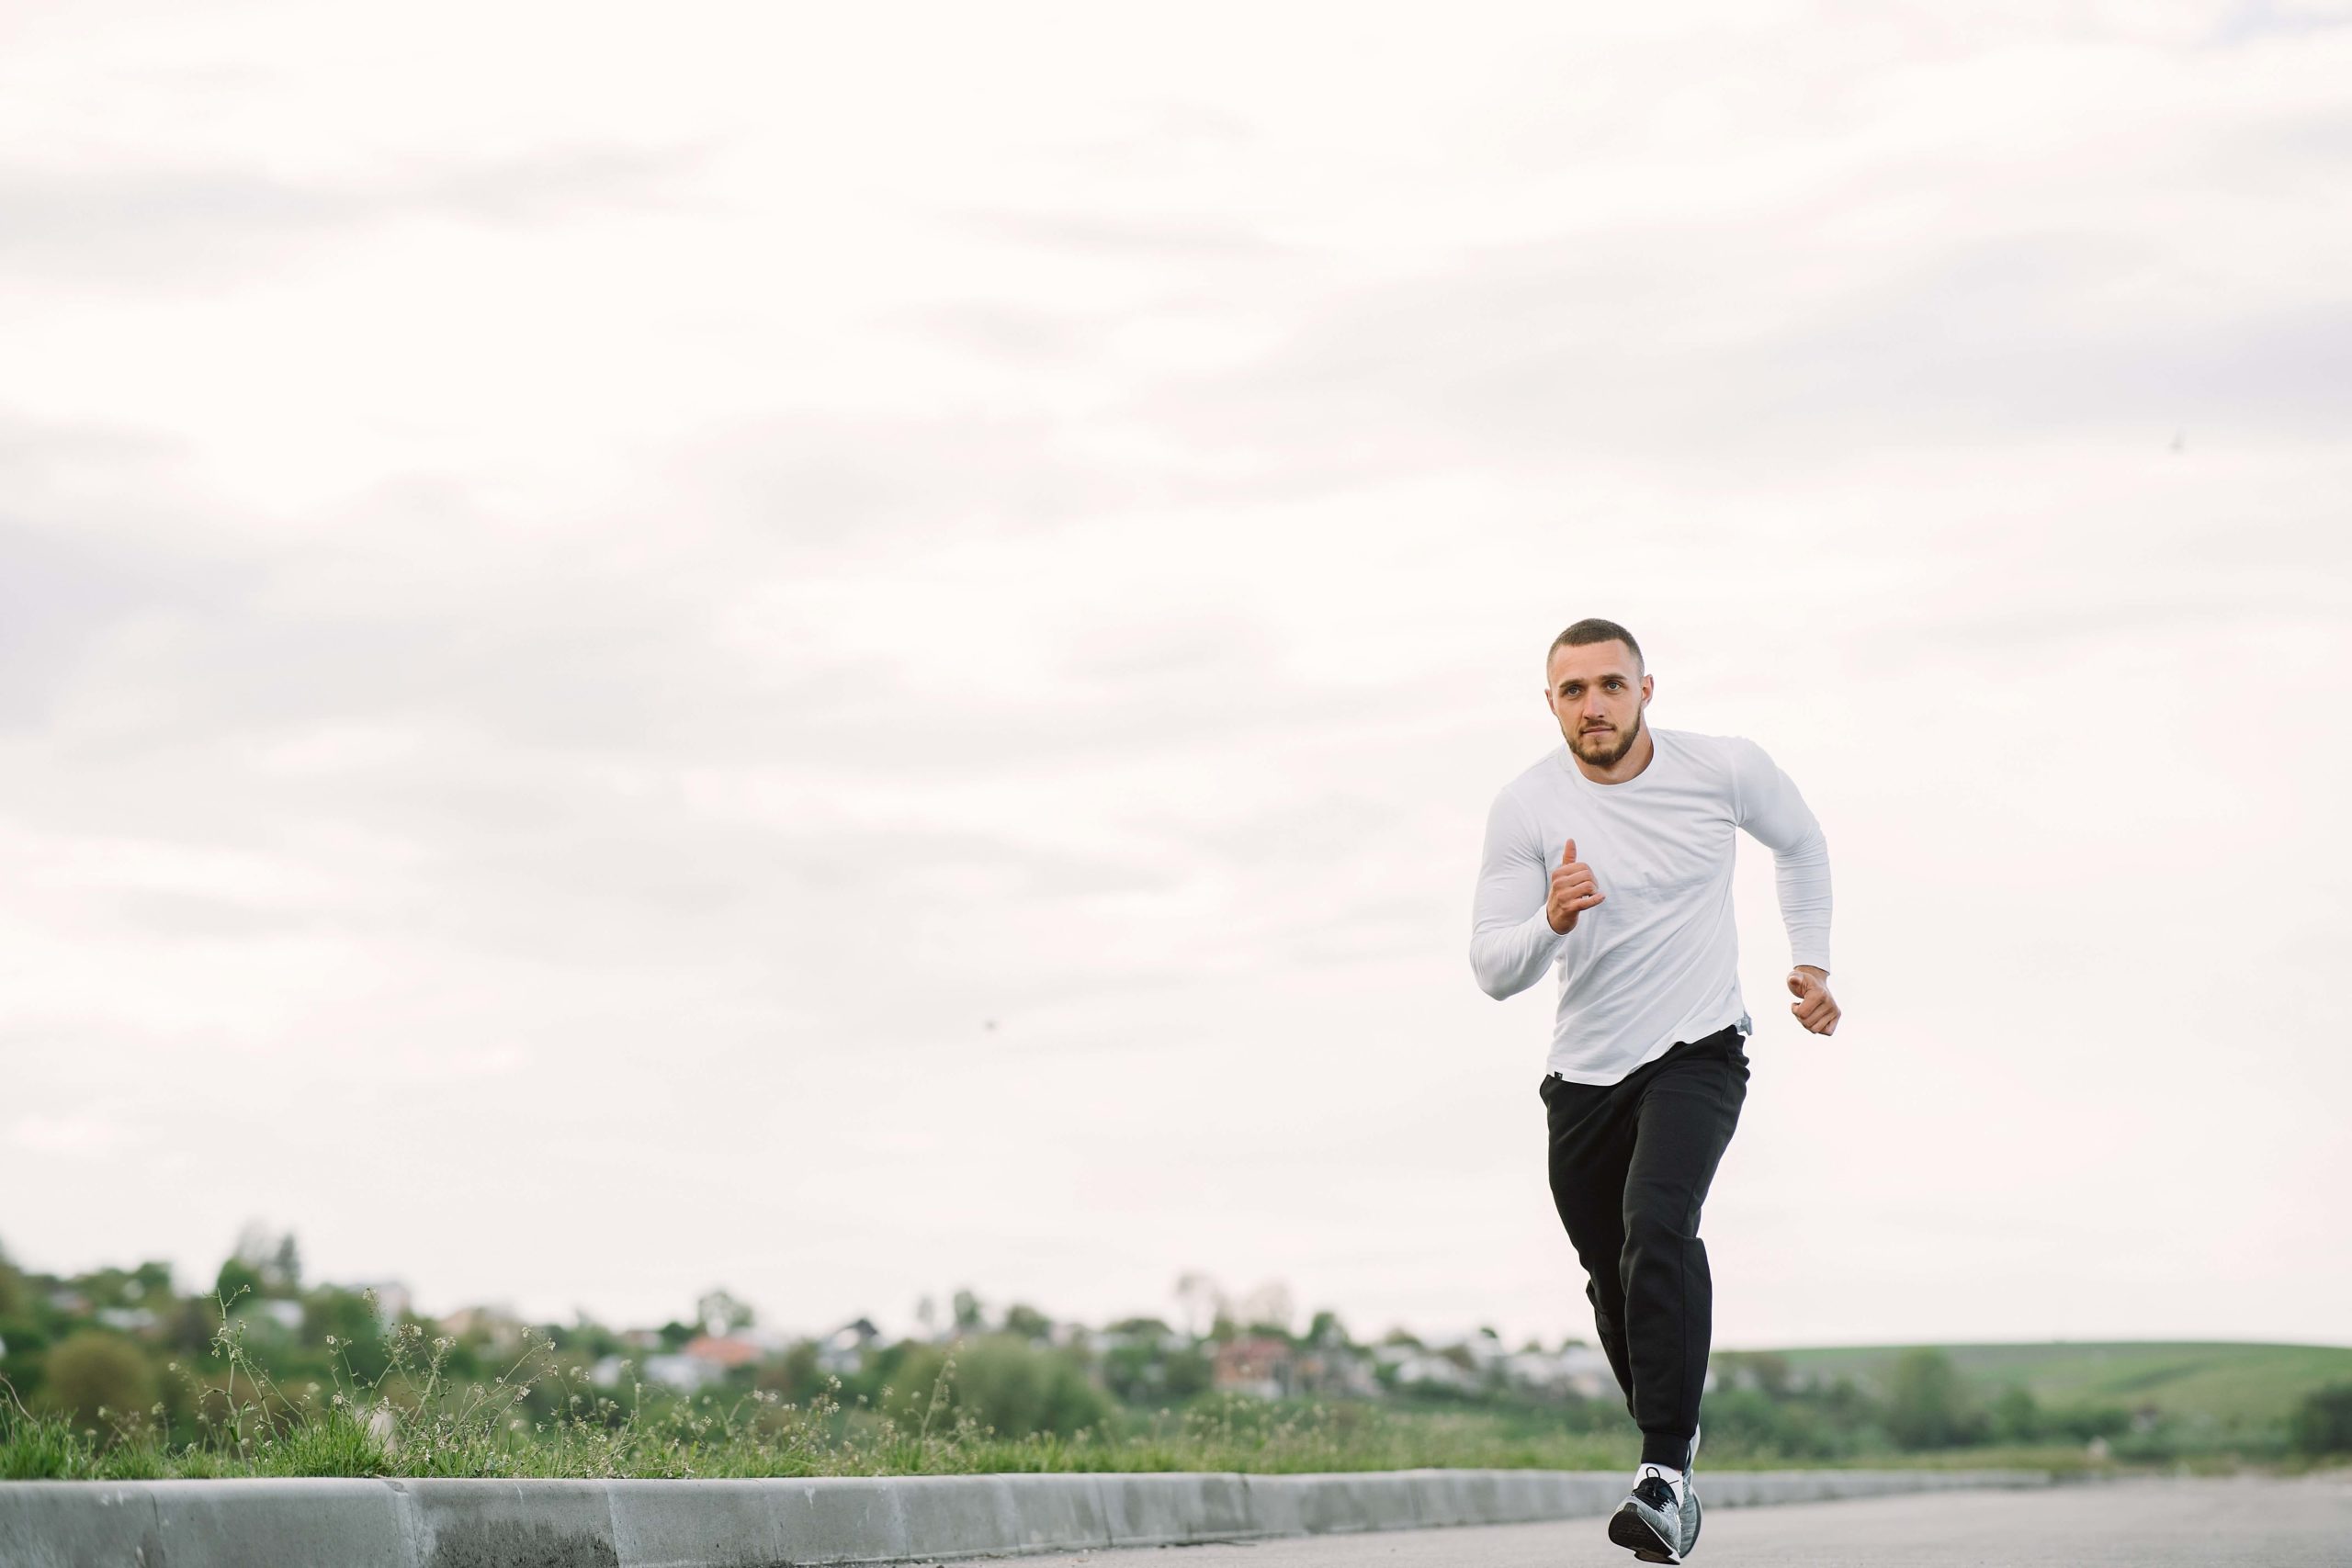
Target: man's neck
(1628,766)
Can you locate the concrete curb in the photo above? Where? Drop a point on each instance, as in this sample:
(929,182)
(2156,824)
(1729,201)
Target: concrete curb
(770,1522)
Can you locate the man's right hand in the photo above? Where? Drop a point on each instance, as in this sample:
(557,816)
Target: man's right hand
(1573,891)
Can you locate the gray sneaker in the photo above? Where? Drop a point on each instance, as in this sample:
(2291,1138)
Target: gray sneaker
(1691,1497)
(1648,1523)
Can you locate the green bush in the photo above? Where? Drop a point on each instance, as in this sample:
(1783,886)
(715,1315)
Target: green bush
(95,1371)
(1020,1389)
(1925,1406)
(2322,1421)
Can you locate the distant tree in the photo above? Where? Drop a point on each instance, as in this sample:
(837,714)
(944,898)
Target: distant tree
(1141,1327)
(1926,1407)
(1771,1371)
(271,1263)
(1002,1381)
(971,1317)
(283,1272)
(237,1276)
(794,1377)
(720,1313)
(2322,1423)
(1327,1330)
(189,1323)
(331,1311)
(12,1287)
(1026,1321)
(1132,1372)
(1185,1374)
(1203,1301)
(2016,1415)
(93,1370)
(1267,1309)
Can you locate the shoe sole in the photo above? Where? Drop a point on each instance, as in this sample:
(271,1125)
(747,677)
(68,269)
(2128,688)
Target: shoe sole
(1630,1530)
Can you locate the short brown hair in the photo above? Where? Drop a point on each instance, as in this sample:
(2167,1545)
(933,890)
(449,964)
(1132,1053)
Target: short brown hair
(1593,630)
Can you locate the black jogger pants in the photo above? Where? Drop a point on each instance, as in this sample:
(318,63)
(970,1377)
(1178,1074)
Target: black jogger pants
(1630,1162)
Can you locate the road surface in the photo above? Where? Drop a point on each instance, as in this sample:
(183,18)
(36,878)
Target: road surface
(2208,1522)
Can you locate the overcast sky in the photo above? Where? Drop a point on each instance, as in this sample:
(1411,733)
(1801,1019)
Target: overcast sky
(851,650)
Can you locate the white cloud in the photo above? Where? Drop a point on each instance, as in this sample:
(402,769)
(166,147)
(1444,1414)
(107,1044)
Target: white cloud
(600,605)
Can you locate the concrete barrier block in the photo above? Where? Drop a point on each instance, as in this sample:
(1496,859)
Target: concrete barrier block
(504,1524)
(1442,1497)
(281,1522)
(845,1518)
(717,1523)
(1052,1513)
(1168,1509)
(1277,1504)
(955,1516)
(78,1524)
(1344,1504)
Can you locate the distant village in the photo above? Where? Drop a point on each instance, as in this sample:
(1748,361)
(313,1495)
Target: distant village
(1262,1361)
(1244,1345)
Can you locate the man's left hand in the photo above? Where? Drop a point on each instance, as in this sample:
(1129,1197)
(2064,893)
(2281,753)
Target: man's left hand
(1815,1006)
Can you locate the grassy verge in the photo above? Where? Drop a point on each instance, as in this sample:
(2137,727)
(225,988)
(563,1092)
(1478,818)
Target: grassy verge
(542,1419)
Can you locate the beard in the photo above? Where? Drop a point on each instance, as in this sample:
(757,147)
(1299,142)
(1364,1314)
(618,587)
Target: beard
(1600,750)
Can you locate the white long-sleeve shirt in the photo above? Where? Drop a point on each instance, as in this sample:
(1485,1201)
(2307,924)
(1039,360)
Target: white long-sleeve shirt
(1656,961)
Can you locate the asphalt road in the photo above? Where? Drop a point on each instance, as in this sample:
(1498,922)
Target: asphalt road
(2142,1523)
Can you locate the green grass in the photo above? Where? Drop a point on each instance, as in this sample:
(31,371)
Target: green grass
(2232,1384)
(1226,1436)
(538,1419)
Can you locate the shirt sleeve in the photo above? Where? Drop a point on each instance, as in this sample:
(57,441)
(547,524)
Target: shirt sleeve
(1765,801)
(1511,942)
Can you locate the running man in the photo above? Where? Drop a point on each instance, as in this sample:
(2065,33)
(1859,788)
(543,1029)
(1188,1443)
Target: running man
(1610,861)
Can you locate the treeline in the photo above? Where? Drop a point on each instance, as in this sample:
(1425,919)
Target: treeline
(119,1357)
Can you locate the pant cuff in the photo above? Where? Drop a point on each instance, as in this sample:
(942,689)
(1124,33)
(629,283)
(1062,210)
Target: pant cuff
(1667,1451)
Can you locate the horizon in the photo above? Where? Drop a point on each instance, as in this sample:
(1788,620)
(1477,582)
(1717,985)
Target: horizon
(996,1306)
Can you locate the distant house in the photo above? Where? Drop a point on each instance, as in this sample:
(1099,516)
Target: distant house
(1432,1371)
(1253,1364)
(724,1352)
(683,1372)
(844,1350)
(499,1325)
(287,1315)
(1334,1372)
(1578,1369)
(767,1341)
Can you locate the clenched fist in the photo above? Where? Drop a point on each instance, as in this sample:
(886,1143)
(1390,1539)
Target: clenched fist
(1573,891)
(1815,1006)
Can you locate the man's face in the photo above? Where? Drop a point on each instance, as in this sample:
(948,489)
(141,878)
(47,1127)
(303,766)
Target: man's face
(1598,697)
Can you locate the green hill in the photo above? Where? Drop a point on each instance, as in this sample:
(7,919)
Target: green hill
(2228,1381)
